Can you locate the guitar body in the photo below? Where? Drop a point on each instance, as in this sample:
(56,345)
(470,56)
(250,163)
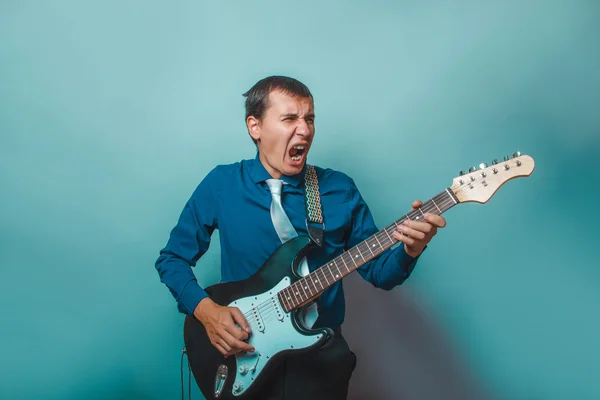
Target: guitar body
(276,334)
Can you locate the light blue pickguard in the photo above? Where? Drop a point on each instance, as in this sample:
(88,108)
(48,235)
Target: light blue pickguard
(272,332)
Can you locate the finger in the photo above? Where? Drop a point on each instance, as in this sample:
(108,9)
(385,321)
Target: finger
(236,332)
(417,204)
(407,240)
(219,341)
(418,225)
(221,349)
(237,344)
(413,233)
(436,220)
(239,318)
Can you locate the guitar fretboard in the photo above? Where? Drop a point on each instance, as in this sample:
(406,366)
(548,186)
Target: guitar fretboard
(315,283)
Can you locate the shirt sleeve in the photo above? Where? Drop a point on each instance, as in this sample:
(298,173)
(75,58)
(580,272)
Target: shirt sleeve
(188,241)
(390,268)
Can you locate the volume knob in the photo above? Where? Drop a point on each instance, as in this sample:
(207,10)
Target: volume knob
(238,387)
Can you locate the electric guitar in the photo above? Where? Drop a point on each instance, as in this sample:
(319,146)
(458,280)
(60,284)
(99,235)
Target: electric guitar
(273,299)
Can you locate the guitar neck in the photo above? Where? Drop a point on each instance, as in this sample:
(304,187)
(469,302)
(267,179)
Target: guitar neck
(315,283)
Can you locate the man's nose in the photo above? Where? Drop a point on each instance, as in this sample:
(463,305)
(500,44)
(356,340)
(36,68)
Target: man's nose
(303,128)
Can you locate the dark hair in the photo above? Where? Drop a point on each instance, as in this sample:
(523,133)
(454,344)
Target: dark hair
(257,98)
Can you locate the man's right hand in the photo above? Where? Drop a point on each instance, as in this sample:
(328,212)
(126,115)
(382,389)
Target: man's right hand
(220,324)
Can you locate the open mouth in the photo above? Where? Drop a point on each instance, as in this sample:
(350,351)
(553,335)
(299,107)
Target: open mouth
(297,152)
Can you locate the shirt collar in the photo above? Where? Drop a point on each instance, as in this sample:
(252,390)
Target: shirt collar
(260,174)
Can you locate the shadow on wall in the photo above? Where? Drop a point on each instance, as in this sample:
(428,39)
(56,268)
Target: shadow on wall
(400,354)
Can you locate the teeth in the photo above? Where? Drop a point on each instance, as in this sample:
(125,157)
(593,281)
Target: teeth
(296,158)
(299,147)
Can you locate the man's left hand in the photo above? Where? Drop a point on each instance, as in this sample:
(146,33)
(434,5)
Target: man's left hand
(417,234)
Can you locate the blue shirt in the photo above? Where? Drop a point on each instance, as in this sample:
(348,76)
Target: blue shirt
(236,200)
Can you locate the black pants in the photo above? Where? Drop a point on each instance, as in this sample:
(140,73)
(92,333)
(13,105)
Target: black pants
(319,375)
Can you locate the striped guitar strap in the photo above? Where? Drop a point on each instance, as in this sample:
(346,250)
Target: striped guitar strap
(314,215)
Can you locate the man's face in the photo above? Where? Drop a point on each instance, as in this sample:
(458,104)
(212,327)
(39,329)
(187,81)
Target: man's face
(284,134)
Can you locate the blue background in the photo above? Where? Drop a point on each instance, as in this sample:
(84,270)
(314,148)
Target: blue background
(112,112)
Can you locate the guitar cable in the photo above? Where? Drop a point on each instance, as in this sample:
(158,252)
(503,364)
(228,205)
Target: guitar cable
(184,353)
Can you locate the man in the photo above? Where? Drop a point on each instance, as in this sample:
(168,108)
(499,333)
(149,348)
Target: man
(236,199)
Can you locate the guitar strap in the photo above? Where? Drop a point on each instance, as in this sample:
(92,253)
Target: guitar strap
(314,215)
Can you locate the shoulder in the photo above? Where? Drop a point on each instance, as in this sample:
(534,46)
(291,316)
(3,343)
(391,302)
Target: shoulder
(334,181)
(225,172)
(222,173)
(333,176)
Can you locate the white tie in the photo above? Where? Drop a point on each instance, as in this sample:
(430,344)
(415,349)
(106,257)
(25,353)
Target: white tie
(285,230)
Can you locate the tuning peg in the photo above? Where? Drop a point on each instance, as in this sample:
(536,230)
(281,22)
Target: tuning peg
(482,165)
(506,158)
(461,172)
(472,169)
(495,162)
(517,154)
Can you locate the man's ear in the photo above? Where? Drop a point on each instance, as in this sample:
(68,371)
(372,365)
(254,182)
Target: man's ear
(253,125)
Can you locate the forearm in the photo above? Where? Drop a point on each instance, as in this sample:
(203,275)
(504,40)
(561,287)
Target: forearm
(390,269)
(177,275)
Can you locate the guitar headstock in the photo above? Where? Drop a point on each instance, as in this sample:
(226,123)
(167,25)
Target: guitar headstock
(479,185)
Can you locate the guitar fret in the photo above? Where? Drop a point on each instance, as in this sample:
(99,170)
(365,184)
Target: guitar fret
(315,280)
(331,273)
(292,298)
(388,235)
(285,302)
(375,235)
(430,206)
(345,265)
(309,282)
(299,283)
(338,268)
(318,280)
(451,197)
(307,287)
(327,280)
(361,256)
(436,205)
(353,255)
(298,293)
(369,247)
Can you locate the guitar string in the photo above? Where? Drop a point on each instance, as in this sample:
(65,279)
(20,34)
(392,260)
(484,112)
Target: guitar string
(266,304)
(379,235)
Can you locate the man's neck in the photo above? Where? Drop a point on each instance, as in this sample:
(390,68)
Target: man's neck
(273,172)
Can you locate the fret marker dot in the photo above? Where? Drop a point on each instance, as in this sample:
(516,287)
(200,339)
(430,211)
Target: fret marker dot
(356,256)
(306,287)
(373,245)
(336,275)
